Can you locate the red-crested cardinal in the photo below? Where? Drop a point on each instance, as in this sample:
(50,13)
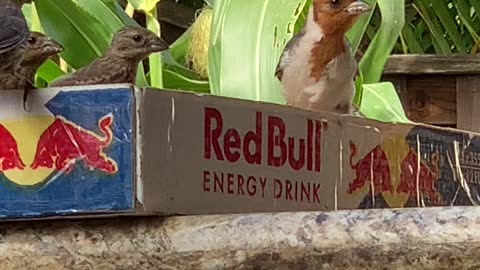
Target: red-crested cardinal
(317,67)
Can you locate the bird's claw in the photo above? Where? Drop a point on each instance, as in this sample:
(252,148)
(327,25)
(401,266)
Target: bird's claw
(25,99)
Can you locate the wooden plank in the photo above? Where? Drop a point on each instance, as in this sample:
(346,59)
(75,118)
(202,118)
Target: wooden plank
(432,64)
(427,99)
(468,103)
(170,33)
(177,14)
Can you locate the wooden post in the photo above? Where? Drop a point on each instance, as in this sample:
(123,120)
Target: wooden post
(441,90)
(468,103)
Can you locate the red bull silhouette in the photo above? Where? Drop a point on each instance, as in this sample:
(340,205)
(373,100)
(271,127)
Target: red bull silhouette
(410,172)
(9,154)
(372,168)
(64,142)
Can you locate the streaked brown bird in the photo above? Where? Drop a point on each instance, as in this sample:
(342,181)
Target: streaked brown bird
(118,64)
(13,33)
(21,76)
(38,49)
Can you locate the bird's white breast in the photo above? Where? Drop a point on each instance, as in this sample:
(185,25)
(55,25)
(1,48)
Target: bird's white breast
(334,88)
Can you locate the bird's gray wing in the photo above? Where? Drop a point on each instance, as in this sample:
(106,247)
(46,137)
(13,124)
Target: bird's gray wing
(14,30)
(95,73)
(78,78)
(61,79)
(285,57)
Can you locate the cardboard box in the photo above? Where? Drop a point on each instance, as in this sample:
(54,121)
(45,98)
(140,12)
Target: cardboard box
(205,154)
(71,154)
(120,150)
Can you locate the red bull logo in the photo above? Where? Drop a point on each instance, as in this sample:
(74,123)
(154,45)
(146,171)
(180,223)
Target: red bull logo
(396,172)
(9,155)
(372,168)
(61,144)
(417,178)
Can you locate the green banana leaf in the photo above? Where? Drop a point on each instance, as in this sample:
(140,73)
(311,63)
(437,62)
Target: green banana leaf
(381,46)
(376,100)
(84,36)
(380,102)
(356,33)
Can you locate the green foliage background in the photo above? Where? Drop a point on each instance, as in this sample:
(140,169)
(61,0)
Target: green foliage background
(247,37)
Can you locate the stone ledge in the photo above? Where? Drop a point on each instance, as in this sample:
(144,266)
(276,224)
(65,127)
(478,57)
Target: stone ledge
(434,238)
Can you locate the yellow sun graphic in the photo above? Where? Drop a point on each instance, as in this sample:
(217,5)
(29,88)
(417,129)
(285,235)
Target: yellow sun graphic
(396,149)
(26,132)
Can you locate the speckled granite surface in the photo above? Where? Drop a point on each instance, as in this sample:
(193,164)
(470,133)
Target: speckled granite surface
(436,238)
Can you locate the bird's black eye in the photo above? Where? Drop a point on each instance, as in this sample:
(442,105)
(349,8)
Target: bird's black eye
(137,38)
(31,40)
(334,1)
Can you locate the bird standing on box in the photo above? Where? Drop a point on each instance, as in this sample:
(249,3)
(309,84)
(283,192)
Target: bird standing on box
(317,67)
(130,45)
(13,36)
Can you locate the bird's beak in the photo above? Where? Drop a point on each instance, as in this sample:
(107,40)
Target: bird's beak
(358,7)
(51,46)
(159,45)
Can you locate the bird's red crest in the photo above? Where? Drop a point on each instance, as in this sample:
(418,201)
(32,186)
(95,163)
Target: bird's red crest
(334,19)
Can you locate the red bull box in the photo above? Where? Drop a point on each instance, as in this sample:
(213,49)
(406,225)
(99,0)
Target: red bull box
(210,155)
(119,150)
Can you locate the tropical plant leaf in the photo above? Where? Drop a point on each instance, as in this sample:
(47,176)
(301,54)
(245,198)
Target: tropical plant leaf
(173,80)
(155,62)
(414,45)
(84,32)
(449,23)
(375,57)
(101,11)
(357,32)
(156,79)
(464,10)
(49,71)
(439,41)
(244,52)
(179,48)
(120,12)
(380,102)
(302,16)
(146,6)
(30,13)
(76,29)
